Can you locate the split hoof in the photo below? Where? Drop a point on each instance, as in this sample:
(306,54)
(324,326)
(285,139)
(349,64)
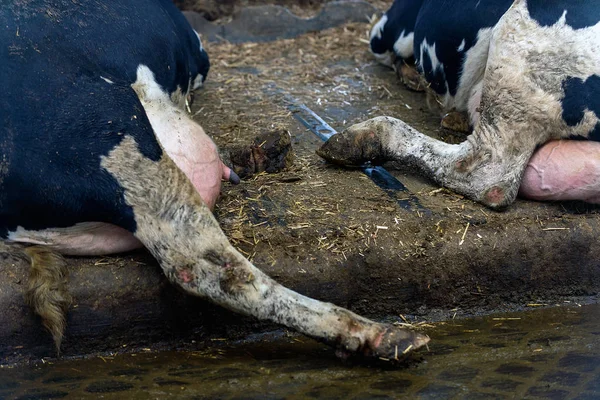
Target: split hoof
(410,77)
(390,344)
(394,343)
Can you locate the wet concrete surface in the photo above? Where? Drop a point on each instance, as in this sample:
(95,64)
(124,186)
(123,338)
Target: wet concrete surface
(542,354)
(326,232)
(223,11)
(272,22)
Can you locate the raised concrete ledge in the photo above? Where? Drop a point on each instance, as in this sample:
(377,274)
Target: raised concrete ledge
(126,301)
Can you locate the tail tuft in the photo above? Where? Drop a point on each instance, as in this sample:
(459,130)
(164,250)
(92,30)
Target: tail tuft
(47,290)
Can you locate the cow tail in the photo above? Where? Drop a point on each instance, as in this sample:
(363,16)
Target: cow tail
(47,290)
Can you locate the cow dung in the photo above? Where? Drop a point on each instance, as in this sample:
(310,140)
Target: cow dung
(269,152)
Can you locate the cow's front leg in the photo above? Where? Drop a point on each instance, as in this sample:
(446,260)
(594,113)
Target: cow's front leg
(182,234)
(484,167)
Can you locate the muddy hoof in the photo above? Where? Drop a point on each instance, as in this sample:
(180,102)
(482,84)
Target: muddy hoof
(353,149)
(410,77)
(395,343)
(270,152)
(391,344)
(456,121)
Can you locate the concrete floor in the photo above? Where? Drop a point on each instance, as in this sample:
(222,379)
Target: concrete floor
(326,232)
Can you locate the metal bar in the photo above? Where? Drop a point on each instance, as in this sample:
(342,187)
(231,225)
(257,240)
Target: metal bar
(312,121)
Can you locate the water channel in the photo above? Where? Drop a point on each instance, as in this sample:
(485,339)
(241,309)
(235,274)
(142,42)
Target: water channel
(551,353)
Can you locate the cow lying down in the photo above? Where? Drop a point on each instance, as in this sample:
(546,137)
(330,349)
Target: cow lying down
(528,74)
(99,157)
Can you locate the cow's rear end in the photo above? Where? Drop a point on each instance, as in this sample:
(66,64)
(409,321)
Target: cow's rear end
(96,95)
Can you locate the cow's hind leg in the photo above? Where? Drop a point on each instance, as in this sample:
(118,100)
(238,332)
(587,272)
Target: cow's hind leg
(182,234)
(392,42)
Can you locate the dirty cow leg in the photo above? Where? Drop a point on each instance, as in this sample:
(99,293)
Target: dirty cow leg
(182,234)
(482,172)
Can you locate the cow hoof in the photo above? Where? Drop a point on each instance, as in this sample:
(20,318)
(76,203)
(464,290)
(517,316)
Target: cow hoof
(456,121)
(394,343)
(410,77)
(391,344)
(353,148)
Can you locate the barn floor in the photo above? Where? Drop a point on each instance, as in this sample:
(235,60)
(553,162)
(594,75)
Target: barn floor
(323,226)
(327,232)
(505,356)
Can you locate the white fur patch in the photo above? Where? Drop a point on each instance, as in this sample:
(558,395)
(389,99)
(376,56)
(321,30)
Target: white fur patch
(146,87)
(377,30)
(404,46)
(164,116)
(199,40)
(472,73)
(436,65)
(197,82)
(385,58)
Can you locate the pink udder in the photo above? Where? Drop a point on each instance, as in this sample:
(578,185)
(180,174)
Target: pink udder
(563,170)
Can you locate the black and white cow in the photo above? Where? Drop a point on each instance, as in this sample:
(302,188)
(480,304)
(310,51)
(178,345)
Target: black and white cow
(97,156)
(526,71)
